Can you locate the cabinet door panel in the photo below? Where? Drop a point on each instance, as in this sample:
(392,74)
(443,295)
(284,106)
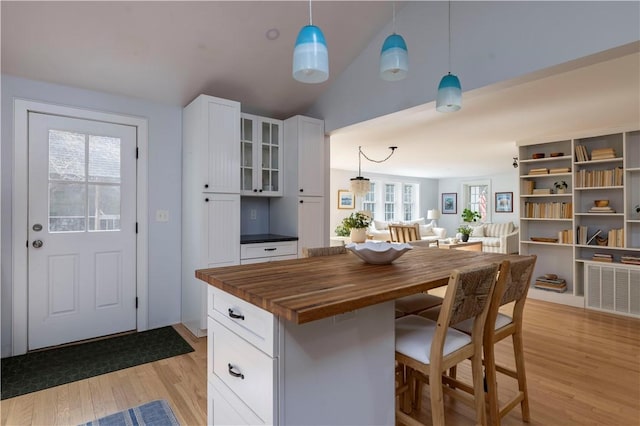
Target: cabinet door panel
(223,150)
(311,156)
(311,231)
(225,408)
(222,212)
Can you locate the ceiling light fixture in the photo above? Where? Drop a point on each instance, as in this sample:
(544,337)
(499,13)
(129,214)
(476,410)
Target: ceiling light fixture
(361,185)
(449,97)
(310,55)
(394,57)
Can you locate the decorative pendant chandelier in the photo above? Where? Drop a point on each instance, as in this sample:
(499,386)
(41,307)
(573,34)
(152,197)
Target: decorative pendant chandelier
(361,185)
(394,57)
(449,97)
(310,54)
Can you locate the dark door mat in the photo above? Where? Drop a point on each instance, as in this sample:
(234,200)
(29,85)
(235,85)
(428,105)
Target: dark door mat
(44,369)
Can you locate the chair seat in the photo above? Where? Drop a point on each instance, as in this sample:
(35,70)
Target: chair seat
(414,335)
(417,302)
(466,325)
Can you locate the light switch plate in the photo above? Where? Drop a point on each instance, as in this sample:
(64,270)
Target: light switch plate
(162,215)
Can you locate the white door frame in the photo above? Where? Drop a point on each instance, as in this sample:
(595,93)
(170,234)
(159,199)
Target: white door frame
(21,109)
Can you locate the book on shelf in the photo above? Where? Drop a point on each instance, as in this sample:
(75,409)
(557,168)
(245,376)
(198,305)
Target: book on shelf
(558,288)
(582,234)
(559,170)
(601,210)
(616,238)
(599,178)
(581,153)
(603,153)
(529,187)
(539,171)
(630,260)
(557,281)
(538,191)
(602,257)
(565,236)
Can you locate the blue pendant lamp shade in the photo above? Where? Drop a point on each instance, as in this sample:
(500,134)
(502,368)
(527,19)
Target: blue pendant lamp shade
(449,94)
(394,58)
(310,56)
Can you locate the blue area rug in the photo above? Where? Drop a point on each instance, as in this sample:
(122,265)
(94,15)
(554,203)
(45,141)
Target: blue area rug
(154,413)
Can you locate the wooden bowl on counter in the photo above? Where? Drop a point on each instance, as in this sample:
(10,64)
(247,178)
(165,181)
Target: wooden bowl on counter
(538,155)
(601,203)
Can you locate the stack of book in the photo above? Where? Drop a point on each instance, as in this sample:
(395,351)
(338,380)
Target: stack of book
(606,209)
(540,171)
(603,154)
(559,285)
(631,260)
(559,170)
(565,236)
(538,191)
(581,153)
(602,257)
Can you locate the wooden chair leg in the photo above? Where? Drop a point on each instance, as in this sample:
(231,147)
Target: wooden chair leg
(436,394)
(405,398)
(492,384)
(522,378)
(478,387)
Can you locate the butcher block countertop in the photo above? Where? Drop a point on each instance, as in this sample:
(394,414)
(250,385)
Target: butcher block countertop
(309,289)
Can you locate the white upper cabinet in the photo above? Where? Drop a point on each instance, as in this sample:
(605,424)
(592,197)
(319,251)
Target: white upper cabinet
(261,156)
(211,140)
(308,135)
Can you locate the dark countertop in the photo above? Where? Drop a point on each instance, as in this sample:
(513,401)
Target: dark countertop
(265,238)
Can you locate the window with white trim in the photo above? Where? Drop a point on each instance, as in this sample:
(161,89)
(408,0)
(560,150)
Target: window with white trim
(369,201)
(392,201)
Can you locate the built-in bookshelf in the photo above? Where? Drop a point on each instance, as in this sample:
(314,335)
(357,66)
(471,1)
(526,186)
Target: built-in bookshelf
(578,199)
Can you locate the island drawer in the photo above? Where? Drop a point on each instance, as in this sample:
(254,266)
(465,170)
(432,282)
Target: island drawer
(257,250)
(253,324)
(225,408)
(247,371)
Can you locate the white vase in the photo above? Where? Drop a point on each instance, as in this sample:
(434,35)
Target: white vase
(358,235)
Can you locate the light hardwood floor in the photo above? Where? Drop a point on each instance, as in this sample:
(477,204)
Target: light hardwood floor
(583,368)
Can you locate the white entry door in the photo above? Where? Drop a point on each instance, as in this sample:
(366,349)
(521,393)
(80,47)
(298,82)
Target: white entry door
(82,230)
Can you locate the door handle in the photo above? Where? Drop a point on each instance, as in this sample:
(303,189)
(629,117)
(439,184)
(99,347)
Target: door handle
(37,244)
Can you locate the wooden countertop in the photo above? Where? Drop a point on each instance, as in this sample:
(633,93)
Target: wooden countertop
(310,289)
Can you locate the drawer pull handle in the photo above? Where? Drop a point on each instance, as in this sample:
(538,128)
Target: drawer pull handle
(235,374)
(234,315)
(271,249)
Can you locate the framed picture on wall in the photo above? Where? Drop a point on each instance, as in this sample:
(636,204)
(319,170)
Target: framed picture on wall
(346,199)
(504,202)
(449,203)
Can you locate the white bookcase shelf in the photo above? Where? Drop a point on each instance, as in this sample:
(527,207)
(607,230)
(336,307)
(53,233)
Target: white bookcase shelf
(615,179)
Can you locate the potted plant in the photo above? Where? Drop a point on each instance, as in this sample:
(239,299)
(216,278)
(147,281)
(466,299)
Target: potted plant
(357,224)
(465,230)
(561,186)
(342,231)
(469,215)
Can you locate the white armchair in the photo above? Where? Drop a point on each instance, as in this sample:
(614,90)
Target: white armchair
(497,237)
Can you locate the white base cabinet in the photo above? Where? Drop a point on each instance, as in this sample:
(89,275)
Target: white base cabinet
(264,370)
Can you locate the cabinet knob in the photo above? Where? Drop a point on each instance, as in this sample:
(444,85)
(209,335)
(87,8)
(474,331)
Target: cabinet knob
(301,190)
(206,185)
(260,190)
(301,201)
(206,200)
(255,190)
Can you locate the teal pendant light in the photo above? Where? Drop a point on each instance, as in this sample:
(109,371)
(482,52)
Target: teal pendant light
(394,57)
(449,97)
(310,55)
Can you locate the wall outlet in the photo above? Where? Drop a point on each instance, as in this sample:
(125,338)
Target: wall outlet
(253,214)
(162,215)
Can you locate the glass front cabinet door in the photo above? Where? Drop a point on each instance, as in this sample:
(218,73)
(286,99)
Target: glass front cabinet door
(261,151)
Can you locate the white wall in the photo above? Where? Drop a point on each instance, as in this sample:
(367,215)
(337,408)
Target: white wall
(506,182)
(165,176)
(491,42)
(340,179)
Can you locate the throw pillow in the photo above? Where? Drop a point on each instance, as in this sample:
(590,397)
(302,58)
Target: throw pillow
(380,225)
(477,231)
(427,231)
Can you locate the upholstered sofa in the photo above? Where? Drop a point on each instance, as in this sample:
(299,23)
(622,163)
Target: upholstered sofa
(379,230)
(496,237)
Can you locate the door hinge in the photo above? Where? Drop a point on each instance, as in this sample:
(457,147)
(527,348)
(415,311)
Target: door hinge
(136,303)
(27,244)
(137,153)
(136,229)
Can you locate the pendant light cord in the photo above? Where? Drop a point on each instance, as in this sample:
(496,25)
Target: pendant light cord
(311,14)
(449,36)
(362,154)
(393,5)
